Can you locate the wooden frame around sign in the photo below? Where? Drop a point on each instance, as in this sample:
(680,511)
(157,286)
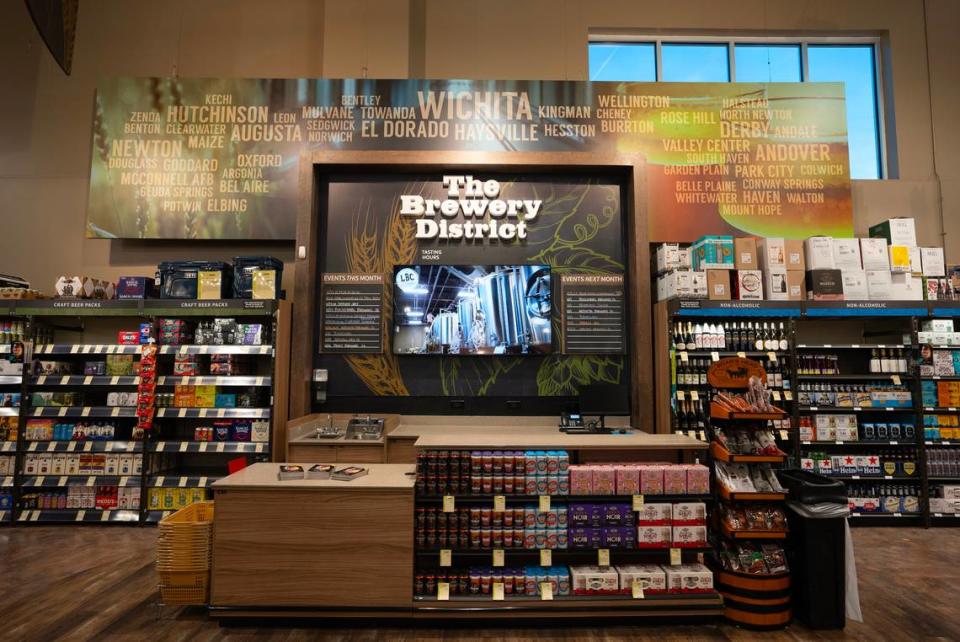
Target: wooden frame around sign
(631,168)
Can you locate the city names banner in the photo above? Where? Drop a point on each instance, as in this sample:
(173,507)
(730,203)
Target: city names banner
(201,158)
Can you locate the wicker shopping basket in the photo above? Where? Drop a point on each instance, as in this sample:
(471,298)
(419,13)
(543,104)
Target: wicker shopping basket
(183,554)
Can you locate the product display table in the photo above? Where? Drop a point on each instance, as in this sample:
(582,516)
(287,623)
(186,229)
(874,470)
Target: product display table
(312,545)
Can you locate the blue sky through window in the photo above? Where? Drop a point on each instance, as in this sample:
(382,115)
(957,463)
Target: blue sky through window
(695,63)
(767,63)
(623,62)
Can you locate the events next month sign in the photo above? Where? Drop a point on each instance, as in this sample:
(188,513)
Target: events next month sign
(219,158)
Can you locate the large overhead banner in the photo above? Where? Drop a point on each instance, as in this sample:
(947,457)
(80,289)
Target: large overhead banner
(178,158)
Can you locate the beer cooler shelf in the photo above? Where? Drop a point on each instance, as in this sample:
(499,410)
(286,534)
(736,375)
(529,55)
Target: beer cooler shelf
(175,458)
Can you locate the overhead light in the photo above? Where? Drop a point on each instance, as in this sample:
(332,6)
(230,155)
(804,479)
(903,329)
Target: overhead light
(406,309)
(418,291)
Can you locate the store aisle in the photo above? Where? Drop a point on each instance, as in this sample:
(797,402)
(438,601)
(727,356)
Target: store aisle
(98,582)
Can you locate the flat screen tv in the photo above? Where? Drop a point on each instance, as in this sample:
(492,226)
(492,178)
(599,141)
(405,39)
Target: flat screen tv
(471,309)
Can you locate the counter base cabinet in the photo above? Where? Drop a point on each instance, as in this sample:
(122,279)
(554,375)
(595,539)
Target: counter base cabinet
(304,548)
(357,454)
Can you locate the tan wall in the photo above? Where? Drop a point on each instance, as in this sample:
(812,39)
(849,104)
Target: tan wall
(45,117)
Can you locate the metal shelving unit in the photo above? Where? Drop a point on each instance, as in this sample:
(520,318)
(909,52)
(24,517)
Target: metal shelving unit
(171,458)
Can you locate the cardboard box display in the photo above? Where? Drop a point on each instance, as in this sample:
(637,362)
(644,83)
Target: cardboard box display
(748,285)
(897,231)
(689,578)
(916,262)
(879,284)
(718,285)
(874,254)
(745,253)
(712,252)
(653,514)
(209,284)
(899,258)
(654,536)
(689,513)
(670,256)
(818,253)
(855,285)
(937,325)
(905,287)
(931,261)
(775,284)
(772,253)
(592,580)
(824,285)
(651,577)
(794,249)
(681,284)
(689,536)
(796,285)
(846,254)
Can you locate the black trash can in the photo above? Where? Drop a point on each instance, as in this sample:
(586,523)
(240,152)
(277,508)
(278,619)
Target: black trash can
(817,515)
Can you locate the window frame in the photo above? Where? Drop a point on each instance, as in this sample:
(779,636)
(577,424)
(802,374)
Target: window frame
(879,89)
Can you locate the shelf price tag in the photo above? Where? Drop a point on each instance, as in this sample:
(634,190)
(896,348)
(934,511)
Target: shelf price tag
(603,557)
(694,395)
(788,395)
(636,589)
(775,394)
(220,446)
(638,503)
(446,557)
(784,435)
(499,503)
(772,356)
(684,357)
(497,591)
(675,558)
(62,481)
(742,355)
(895,379)
(443,591)
(546,557)
(715,356)
(701,435)
(546,591)
(498,557)
(544,506)
(449,504)
(681,395)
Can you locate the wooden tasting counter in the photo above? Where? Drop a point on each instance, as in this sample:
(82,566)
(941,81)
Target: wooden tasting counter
(346,549)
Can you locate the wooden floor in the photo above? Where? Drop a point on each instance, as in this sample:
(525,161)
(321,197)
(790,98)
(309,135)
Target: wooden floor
(98,583)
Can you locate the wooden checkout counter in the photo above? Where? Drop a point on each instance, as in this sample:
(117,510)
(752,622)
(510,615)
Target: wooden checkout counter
(346,549)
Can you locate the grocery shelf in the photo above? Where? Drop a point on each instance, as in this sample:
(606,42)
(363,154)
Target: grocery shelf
(653,605)
(154,516)
(175,480)
(896,478)
(750,497)
(84,411)
(9,412)
(855,409)
(84,348)
(721,453)
(6,482)
(942,377)
(590,553)
(934,480)
(8,446)
(213,413)
(142,307)
(830,444)
(719,412)
(87,515)
(735,353)
(941,442)
(624,499)
(884,519)
(195,349)
(85,380)
(169,380)
(941,410)
(84,446)
(209,447)
(60,481)
(10,380)
(851,346)
(865,309)
(748,534)
(855,377)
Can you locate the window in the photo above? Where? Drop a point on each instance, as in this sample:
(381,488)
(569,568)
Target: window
(619,62)
(695,63)
(701,59)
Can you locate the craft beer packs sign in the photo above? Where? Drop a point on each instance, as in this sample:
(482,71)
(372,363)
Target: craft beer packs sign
(219,158)
(474,202)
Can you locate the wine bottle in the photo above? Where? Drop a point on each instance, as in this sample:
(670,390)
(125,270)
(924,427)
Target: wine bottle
(691,340)
(901,360)
(726,337)
(874,362)
(782,339)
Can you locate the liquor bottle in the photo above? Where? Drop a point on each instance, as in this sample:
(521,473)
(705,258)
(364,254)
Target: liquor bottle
(771,366)
(886,364)
(690,339)
(726,337)
(874,362)
(742,336)
(771,342)
(902,360)
(678,343)
(703,372)
(758,339)
(751,337)
(782,339)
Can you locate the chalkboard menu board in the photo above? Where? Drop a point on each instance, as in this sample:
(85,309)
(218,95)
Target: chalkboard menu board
(351,313)
(593,314)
